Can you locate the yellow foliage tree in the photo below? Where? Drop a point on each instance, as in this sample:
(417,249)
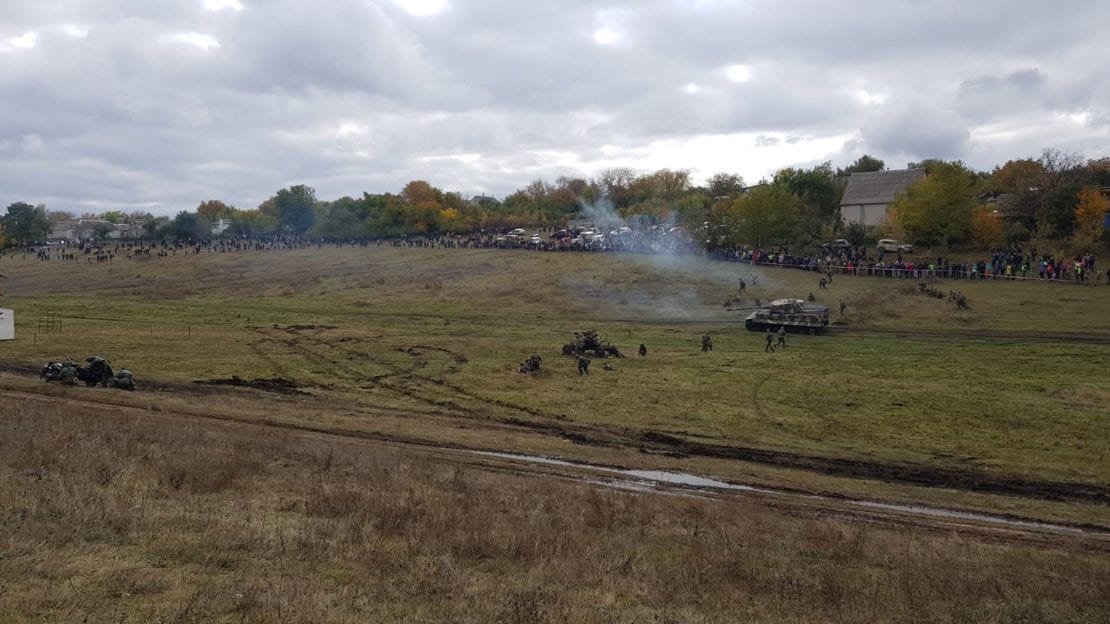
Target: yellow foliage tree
(1090,213)
(986,229)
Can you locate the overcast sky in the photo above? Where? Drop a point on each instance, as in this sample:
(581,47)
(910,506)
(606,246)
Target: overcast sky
(158,105)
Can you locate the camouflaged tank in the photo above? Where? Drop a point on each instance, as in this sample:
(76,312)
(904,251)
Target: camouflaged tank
(795,315)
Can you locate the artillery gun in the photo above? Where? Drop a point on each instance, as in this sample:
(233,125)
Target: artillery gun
(793,315)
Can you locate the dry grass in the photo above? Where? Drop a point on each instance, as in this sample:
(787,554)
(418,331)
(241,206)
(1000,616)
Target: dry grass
(115,518)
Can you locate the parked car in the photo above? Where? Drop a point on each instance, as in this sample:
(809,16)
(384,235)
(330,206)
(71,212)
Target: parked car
(839,244)
(889,244)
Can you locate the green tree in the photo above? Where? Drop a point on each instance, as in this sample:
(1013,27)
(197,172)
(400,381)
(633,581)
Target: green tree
(295,207)
(938,209)
(863,164)
(341,219)
(818,188)
(1056,216)
(769,215)
(25,223)
(114,216)
(187,225)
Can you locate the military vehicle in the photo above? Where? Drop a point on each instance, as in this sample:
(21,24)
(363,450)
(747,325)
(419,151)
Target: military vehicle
(589,343)
(793,315)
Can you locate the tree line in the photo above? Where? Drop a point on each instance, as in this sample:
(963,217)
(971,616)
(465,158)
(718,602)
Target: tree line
(1055,195)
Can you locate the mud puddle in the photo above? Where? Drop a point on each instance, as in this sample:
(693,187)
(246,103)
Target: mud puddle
(650,480)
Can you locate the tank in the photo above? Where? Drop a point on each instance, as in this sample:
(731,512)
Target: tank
(795,315)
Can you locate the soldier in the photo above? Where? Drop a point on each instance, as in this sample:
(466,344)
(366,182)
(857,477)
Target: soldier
(583,365)
(643,350)
(706,343)
(743,286)
(828,276)
(123,380)
(811,297)
(822,283)
(770,346)
(68,374)
(843,306)
(782,337)
(607,367)
(99,370)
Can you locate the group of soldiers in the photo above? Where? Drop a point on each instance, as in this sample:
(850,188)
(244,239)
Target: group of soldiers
(98,372)
(954,296)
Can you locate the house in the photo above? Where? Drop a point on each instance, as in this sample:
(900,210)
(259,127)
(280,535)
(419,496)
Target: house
(869,194)
(75,230)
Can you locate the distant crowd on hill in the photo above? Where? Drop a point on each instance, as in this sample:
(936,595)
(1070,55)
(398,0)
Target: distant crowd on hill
(1008,264)
(1011,263)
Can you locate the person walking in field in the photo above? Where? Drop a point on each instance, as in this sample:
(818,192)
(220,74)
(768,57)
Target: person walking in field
(643,350)
(770,346)
(706,343)
(583,365)
(782,337)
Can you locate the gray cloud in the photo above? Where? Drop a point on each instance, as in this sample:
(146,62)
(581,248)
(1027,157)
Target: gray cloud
(127,103)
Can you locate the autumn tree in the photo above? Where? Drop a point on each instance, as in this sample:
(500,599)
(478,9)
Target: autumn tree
(938,209)
(724,185)
(616,186)
(213,210)
(986,228)
(1090,214)
(1017,176)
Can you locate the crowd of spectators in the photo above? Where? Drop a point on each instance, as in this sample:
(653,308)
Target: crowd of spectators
(1011,263)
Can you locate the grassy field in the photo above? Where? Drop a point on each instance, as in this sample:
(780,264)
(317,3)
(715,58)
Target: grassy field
(1015,385)
(124,518)
(157,506)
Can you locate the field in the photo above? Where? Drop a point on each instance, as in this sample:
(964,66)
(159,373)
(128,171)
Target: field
(262,365)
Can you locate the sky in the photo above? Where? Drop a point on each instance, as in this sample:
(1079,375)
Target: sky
(157,106)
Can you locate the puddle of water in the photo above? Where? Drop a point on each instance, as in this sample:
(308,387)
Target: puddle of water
(648,480)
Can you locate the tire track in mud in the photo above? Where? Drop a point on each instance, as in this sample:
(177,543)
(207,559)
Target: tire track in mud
(1088,536)
(424,384)
(656,442)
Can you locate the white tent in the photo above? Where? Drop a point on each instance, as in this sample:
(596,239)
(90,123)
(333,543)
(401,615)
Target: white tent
(7,324)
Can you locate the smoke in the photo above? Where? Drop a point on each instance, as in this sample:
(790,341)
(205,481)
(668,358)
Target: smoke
(602,212)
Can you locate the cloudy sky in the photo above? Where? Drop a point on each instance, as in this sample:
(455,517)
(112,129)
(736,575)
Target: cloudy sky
(144,105)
